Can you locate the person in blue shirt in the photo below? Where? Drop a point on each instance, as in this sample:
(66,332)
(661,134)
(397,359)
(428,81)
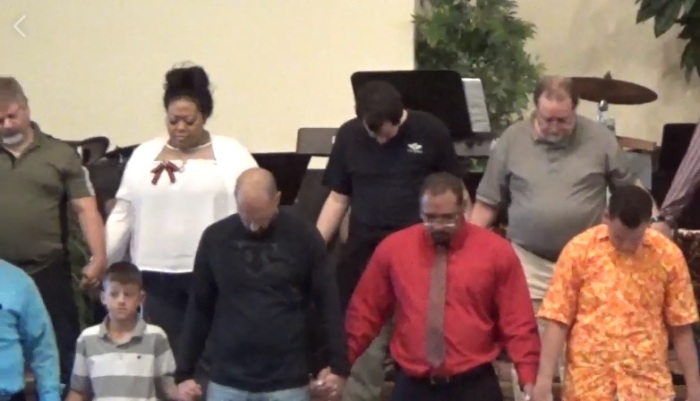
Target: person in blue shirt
(26,338)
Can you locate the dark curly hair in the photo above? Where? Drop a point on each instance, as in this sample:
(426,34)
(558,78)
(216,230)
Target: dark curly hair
(190,82)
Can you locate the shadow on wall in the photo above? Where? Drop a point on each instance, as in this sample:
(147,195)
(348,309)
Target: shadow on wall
(591,37)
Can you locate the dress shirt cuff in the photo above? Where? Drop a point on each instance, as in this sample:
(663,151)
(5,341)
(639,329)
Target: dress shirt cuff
(527,373)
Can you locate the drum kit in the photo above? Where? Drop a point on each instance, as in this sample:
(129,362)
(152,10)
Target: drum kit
(607,91)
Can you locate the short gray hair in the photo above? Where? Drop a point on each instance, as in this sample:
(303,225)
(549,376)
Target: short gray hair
(11,91)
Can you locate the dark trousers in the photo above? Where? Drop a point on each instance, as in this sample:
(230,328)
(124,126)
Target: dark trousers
(55,284)
(350,260)
(167,296)
(354,256)
(166,301)
(480,384)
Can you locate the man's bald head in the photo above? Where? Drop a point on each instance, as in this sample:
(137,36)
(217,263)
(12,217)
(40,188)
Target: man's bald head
(256,181)
(257,198)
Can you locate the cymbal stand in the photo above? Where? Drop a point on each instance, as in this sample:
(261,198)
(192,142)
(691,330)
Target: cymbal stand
(603,116)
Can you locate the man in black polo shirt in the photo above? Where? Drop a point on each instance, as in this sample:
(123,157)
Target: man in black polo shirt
(38,175)
(376,168)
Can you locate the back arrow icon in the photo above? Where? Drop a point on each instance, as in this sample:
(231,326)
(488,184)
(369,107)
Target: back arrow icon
(17,28)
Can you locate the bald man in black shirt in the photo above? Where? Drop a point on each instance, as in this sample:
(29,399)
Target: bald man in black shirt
(256,274)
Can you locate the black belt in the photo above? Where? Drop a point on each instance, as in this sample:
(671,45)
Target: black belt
(437,380)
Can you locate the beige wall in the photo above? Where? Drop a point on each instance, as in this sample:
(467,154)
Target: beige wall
(97,67)
(590,37)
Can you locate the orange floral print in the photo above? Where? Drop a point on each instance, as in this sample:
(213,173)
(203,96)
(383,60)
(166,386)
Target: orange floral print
(618,307)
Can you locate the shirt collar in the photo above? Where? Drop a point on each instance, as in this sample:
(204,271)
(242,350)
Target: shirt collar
(38,138)
(138,332)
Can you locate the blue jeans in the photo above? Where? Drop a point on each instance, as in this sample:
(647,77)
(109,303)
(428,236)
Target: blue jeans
(217,392)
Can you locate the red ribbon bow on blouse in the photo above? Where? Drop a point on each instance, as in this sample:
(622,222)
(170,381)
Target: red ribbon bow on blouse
(166,166)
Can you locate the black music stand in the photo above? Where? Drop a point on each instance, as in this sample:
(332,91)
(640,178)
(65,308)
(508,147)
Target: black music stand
(439,92)
(288,168)
(675,140)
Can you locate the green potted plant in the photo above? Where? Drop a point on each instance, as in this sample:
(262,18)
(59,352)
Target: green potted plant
(482,39)
(685,14)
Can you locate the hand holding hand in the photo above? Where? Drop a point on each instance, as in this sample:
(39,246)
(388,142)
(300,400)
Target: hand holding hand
(189,390)
(327,386)
(92,274)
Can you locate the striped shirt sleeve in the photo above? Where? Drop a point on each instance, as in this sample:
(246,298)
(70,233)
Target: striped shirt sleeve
(80,378)
(685,183)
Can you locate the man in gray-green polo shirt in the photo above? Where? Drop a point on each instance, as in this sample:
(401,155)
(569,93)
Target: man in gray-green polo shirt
(552,172)
(39,177)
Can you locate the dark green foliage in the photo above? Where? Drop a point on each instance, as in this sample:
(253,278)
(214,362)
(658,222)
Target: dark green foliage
(482,39)
(666,14)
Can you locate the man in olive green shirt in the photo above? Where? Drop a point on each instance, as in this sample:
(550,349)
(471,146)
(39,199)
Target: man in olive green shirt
(39,175)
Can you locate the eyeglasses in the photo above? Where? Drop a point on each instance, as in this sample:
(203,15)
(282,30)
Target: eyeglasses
(441,221)
(555,121)
(434,224)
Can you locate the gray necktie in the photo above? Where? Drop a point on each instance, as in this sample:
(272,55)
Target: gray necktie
(435,336)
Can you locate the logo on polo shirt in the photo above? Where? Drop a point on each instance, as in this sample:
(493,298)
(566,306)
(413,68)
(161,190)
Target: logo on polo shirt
(415,148)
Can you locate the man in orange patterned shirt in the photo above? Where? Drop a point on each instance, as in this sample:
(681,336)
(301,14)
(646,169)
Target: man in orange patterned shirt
(617,292)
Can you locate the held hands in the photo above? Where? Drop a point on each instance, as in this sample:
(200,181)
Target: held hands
(327,386)
(189,390)
(91,278)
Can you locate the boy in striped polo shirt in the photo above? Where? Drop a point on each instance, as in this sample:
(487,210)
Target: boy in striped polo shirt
(123,358)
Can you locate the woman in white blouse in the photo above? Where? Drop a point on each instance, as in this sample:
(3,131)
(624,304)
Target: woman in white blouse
(173,187)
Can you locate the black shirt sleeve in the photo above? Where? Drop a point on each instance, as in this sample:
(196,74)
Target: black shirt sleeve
(336,176)
(200,311)
(327,300)
(446,157)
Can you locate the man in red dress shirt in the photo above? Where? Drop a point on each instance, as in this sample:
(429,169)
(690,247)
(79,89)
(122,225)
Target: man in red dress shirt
(457,293)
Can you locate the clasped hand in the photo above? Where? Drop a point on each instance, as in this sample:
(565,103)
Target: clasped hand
(189,390)
(91,277)
(327,386)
